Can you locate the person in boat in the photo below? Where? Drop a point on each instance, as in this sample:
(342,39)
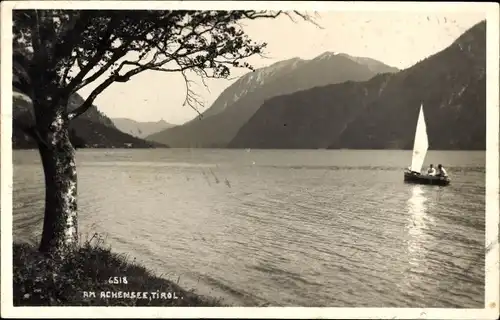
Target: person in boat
(441,172)
(409,170)
(431,171)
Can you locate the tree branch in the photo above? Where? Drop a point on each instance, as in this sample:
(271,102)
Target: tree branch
(191,98)
(36,40)
(69,65)
(116,77)
(252,14)
(181,33)
(88,102)
(117,55)
(102,48)
(74,29)
(305,17)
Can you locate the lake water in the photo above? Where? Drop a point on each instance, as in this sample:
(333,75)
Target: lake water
(332,228)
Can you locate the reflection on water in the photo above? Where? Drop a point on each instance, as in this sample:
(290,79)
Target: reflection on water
(417,224)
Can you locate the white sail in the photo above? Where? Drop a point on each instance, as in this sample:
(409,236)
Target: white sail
(421,143)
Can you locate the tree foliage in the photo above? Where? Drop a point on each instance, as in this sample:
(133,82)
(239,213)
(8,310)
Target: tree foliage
(62,51)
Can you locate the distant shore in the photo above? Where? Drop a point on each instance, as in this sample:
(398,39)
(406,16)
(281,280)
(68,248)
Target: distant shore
(93,275)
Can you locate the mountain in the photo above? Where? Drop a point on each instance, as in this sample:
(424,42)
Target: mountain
(91,130)
(97,135)
(238,103)
(382,112)
(140,129)
(92,114)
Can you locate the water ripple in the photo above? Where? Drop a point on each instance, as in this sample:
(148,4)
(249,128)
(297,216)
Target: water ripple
(282,228)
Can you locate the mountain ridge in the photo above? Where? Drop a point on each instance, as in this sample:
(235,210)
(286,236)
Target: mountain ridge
(357,115)
(140,129)
(92,129)
(243,98)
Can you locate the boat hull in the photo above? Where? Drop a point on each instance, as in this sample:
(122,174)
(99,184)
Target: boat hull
(411,177)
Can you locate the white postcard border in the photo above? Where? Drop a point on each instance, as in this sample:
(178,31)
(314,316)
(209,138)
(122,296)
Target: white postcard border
(491,308)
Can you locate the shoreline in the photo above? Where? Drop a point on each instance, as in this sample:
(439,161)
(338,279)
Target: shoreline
(93,275)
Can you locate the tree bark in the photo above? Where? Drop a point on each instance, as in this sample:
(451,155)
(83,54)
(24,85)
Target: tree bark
(60,226)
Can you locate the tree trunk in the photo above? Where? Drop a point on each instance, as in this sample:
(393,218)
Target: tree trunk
(60,225)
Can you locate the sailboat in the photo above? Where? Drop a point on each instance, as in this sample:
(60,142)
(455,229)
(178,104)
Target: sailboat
(420,147)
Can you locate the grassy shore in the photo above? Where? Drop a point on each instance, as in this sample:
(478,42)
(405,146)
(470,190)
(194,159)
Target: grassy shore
(44,280)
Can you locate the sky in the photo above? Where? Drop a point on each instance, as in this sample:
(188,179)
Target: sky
(398,38)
